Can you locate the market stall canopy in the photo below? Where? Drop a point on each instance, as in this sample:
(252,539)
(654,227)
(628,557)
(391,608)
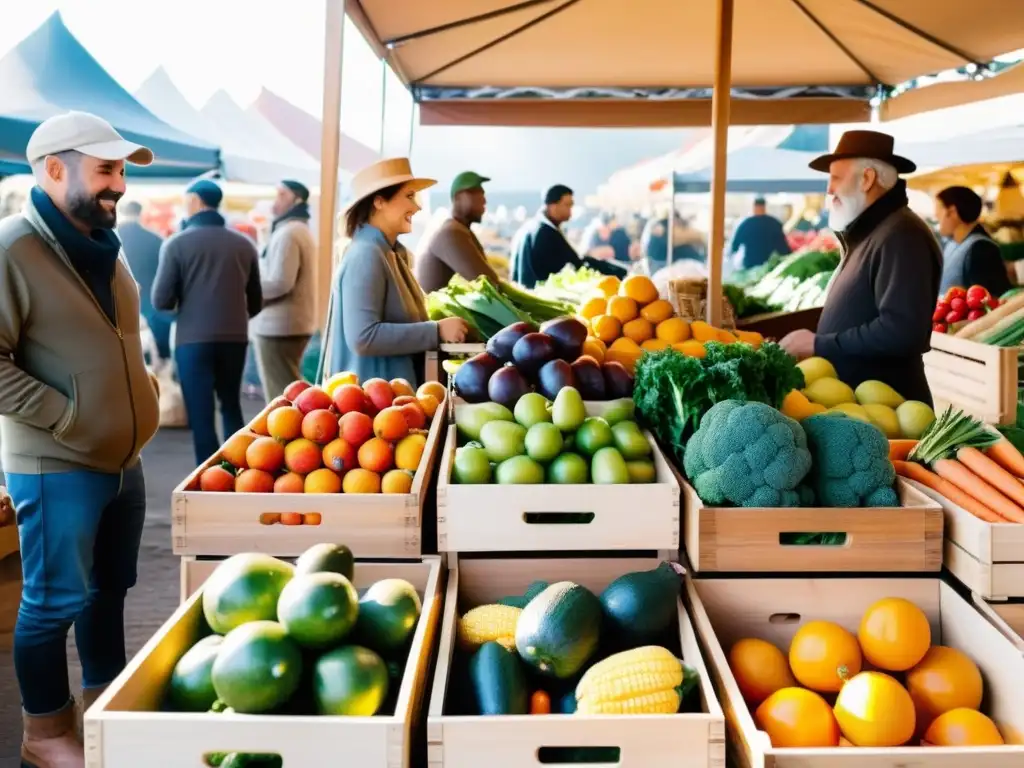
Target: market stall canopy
(51,72)
(977,159)
(648,62)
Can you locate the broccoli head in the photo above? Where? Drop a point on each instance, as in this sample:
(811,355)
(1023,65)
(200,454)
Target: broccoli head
(851,462)
(748,455)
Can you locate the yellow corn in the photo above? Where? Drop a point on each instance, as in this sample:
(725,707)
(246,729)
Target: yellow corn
(487,623)
(644,680)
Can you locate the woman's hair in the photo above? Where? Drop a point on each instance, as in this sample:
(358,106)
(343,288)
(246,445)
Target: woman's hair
(966,201)
(359,213)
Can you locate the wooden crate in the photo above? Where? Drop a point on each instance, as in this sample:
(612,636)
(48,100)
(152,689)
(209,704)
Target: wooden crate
(504,518)
(878,539)
(978,379)
(125,722)
(647,741)
(10,583)
(1007,617)
(726,610)
(432,370)
(987,557)
(374,525)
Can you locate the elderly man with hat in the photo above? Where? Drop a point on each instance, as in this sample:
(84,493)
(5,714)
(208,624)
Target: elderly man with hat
(453,249)
(282,330)
(876,323)
(77,405)
(209,276)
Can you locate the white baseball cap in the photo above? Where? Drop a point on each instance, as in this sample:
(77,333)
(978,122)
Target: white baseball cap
(85,133)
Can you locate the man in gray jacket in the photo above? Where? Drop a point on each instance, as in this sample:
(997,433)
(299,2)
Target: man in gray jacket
(282,330)
(210,275)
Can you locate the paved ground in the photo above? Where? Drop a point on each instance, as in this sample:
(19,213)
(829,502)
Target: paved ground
(168,459)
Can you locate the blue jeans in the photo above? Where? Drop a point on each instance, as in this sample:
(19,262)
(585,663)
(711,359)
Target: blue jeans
(80,534)
(206,370)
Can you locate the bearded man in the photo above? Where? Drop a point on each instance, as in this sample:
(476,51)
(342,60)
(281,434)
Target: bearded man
(876,323)
(77,405)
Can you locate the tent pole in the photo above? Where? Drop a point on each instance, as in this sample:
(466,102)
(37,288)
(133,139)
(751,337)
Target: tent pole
(412,128)
(720,130)
(330,149)
(383,100)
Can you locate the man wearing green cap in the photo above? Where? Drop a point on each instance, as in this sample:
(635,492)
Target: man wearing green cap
(453,248)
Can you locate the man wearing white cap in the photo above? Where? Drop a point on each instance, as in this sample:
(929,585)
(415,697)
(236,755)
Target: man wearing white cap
(77,405)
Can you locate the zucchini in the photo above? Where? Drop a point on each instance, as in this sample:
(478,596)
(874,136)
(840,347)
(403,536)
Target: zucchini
(499,681)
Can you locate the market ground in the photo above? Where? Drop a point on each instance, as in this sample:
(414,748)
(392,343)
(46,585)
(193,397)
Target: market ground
(167,459)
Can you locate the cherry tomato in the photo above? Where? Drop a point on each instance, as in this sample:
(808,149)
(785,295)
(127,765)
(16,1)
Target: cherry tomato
(958,304)
(974,314)
(954,316)
(938,314)
(943,305)
(939,327)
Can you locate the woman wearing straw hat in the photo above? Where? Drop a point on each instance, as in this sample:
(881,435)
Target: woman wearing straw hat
(377,324)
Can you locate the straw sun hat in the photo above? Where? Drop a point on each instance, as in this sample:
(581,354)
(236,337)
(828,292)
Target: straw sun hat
(381,175)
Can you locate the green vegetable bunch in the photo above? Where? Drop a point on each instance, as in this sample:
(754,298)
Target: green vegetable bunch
(851,466)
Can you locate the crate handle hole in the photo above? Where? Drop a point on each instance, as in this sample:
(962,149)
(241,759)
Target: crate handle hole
(256,760)
(577,755)
(784,618)
(558,518)
(814,539)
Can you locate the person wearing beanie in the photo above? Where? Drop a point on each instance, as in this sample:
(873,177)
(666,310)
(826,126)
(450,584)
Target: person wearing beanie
(970,256)
(209,277)
(453,248)
(282,330)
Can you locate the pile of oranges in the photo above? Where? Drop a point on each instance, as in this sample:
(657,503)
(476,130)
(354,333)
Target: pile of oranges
(340,438)
(888,686)
(625,319)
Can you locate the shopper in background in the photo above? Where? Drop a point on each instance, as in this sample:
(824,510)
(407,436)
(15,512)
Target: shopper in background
(209,276)
(758,237)
(77,407)
(282,330)
(970,256)
(453,249)
(142,249)
(604,238)
(377,324)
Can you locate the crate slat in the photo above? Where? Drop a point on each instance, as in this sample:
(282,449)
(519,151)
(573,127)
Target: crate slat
(978,379)
(1008,618)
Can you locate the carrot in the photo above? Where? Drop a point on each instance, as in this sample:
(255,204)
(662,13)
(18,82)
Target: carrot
(540,703)
(993,474)
(1006,455)
(914,471)
(900,449)
(971,484)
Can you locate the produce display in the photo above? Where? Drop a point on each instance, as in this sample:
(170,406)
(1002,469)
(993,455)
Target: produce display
(887,685)
(783,283)
(340,438)
(976,316)
(522,358)
(560,648)
(296,639)
(540,441)
(960,306)
(575,284)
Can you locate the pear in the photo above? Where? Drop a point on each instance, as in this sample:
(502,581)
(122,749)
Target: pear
(878,393)
(568,411)
(471,417)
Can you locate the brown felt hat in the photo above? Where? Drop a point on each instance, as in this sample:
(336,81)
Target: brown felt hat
(864,144)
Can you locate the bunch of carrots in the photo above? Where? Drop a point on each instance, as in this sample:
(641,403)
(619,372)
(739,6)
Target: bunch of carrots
(972,466)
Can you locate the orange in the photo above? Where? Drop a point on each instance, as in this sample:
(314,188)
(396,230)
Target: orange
(657,311)
(760,669)
(284,423)
(796,717)
(691,348)
(391,424)
(302,456)
(594,306)
(609,285)
(654,345)
(606,327)
(874,710)
(945,679)
(234,449)
(290,482)
(409,451)
(701,331)
(673,330)
(254,481)
(434,388)
(376,455)
(623,308)
(396,481)
(640,289)
(428,404)
(339,455)
(822,655)
(963,728)
(265,453)
(414,415)
(639,330)
(894,634)
(625,351)
(402,387)
(323,481)
(594,347)
(361,481)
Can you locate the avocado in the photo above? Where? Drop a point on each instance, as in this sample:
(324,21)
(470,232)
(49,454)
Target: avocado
(499,681)
(640,606)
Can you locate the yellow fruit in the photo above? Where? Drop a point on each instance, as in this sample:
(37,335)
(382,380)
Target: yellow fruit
(657,311)
(878,392)
(606,327)
(815,368)
(625,351)
(796,717)
(760,669)
(944,680)
(874,710)
(894,634)
(640,289)
(639,330)
(594,347)
(409,451)
(829,392)
(594,306)
(609,286)
(852,410)
(963,728)
(691,349)
(673,330)
(884,417)
(396,481)
(797,406)
(726,337)
(335,381)
(753,338)
(623,308)
(654,345)
(823,655)
(701,331)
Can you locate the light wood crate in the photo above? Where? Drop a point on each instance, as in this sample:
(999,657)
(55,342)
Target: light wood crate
(10,583)
(1008,618)
(645,741)
(510,518)
(987,557)
(125,722)
(978,379)
(372,524)
(726,610)
(878,539)
(432,370)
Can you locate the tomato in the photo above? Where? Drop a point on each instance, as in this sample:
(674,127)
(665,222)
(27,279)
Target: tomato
(938,315)
(939,327)
(943,680)
(874,710)
(894,634)
(954,316)
(974,314)
(760,669)
(796,717)
(963,728)
(822,655)
(976,296)
(958,304)
(943,305)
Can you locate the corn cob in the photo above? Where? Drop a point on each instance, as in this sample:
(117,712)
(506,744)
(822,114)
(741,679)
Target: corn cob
(647,680)
(487,623)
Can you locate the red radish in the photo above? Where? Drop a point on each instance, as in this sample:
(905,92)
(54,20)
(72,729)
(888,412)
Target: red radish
(954,316)
(958,304)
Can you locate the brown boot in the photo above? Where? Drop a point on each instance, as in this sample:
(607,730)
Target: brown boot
(50,741)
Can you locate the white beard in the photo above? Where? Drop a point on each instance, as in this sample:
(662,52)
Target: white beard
(850,207)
